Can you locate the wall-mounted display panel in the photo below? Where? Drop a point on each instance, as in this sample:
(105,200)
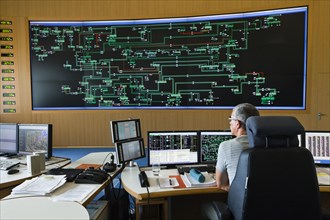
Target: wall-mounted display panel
(204,62)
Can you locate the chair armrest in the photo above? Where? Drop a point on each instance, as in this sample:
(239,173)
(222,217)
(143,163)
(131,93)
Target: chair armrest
(216,210)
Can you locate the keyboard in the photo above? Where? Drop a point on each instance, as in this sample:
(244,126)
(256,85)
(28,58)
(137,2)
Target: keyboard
(7,164)
(201,168)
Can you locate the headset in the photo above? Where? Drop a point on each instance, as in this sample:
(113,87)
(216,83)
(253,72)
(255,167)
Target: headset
(110,167)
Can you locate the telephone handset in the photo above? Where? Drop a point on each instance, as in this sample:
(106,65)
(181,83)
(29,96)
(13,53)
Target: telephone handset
(110,167)
(143,179)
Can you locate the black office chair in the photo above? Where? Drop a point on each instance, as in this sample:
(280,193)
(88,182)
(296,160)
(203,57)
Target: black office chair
(275,179)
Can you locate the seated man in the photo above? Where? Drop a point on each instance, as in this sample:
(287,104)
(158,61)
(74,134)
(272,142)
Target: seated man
(229,151)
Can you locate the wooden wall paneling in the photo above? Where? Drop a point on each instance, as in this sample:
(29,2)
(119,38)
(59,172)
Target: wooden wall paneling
(322,102)
(318,65)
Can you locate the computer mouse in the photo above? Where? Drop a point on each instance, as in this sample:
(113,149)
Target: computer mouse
(12,171)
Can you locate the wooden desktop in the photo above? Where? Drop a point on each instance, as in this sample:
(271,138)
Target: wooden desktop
(7,182)
(160,196)
(154,195)
(50,208)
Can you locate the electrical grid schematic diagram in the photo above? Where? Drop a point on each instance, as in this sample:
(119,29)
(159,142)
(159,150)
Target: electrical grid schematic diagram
(162,64)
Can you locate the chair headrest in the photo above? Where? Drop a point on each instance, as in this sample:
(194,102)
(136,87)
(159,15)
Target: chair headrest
(273,131)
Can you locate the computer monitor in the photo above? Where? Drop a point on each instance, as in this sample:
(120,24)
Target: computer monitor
(8,139)
(125,129)
(318,143)
(35,138)
(130,150)
(209,144)
(173,148)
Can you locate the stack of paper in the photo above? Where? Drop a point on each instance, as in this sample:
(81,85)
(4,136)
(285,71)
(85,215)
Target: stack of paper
(323,178)
(78,193)
(323,175)
(42,185)
(191,182)
(168,182)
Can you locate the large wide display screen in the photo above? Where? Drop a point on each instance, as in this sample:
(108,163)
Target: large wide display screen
(205,62)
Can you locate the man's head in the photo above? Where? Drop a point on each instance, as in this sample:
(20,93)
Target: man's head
(239,115)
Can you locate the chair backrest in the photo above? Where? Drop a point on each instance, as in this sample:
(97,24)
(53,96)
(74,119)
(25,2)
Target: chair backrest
(275,178)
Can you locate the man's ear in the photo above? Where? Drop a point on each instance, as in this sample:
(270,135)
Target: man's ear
(239,124)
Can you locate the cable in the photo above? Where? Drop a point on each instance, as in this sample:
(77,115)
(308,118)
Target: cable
(148,203)
(113,189)
(106,157)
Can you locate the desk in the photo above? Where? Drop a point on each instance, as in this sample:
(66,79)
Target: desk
(60,209)
(39,208)
(157,195)
(95,158)
(132,185)
(8,182)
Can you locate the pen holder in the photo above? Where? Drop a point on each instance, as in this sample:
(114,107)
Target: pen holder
(197,175)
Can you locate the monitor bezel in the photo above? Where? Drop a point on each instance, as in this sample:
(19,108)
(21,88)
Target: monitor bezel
(49,150)
(119,151)
(114,129)
(173,165)
(16,151)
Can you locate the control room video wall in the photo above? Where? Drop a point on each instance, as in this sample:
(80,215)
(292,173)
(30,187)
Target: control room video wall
(205,62)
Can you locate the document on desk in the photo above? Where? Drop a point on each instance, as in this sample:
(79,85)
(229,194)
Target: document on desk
(76,194)
(323,175)
(168,182)
(191,182)
(42,185)
(323,178)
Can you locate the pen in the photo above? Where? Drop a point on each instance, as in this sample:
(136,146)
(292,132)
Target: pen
(170,182)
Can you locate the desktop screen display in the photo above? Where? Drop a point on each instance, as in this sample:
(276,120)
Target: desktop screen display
(125,129)
(130,150)
(35,138)
(173,147)
(318,143)
(209,144)
(8,138)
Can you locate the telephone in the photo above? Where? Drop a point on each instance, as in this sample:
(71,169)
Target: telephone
(110,167)
(92,176)
(143,179)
